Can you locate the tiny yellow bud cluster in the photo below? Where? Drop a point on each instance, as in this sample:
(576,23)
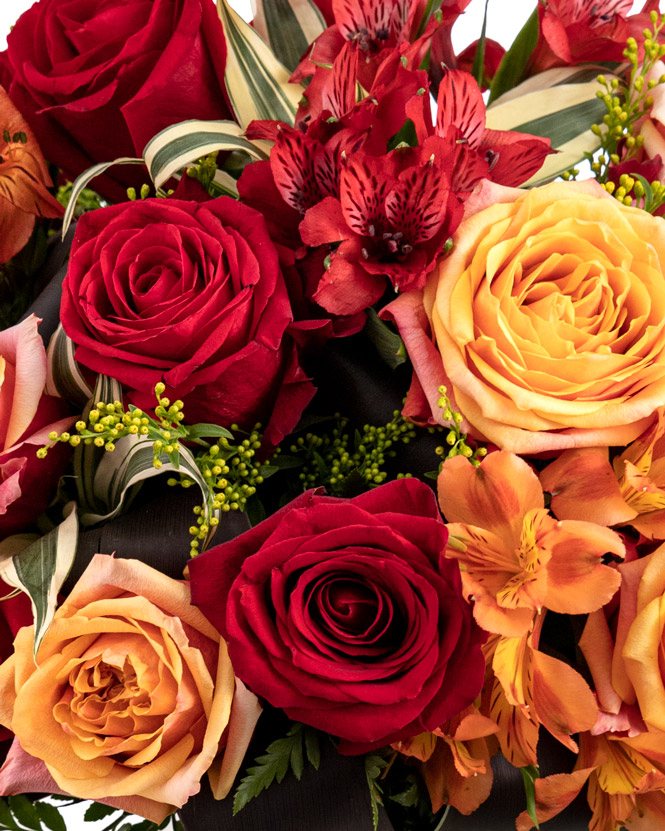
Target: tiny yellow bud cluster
(332,457)
(455,438)
(626,103)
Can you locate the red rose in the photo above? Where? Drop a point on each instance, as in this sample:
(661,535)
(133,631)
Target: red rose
(96,79)
(27,416)
(192,295)
(345,614)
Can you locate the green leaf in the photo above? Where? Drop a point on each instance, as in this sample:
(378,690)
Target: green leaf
(529,774)
(41,568)
(512,65)
(50,816)
(478,68)
(374,765)
(288,27)
(63,375)
(6,817)
(204,431)
(312,747)
(257,83)
(386,341)
(181,144)
(97,811)
(562,105)
(409,797)
(24,811)
(81,182)
(281,756)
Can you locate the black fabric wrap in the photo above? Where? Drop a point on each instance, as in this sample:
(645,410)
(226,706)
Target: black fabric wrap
(353,381)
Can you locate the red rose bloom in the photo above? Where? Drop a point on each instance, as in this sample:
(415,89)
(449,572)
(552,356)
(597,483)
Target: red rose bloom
(97,79)
(192,295)
(345,614)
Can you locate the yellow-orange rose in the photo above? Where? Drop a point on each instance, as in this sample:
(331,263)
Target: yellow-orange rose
(129,698)
(546,320)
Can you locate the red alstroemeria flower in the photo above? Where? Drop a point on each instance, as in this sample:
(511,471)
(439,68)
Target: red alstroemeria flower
(510,157)
(392,219)
(578,31)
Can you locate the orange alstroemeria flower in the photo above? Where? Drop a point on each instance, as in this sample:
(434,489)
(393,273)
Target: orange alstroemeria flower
(623,755)
(515,558)
(630,491)
(530,689)
(626,778)
(24,180)
(455,761)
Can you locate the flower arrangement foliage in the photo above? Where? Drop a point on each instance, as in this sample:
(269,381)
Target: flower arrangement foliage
(404,369)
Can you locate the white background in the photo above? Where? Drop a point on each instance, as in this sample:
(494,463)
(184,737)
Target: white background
(502,26)
(505,19)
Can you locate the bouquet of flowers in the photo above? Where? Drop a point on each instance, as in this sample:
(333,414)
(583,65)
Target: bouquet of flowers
(332,417)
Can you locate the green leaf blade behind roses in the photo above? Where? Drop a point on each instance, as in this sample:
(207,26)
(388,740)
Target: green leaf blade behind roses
(64,378)
(41,568)
(181,144)
(562,105)
(208,431)
(257,83)
(512,64)
(50,817)
(82,181)
(288,27)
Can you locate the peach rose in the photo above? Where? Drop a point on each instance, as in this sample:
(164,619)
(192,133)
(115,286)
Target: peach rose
(130,699)
(27,416)
(544,321)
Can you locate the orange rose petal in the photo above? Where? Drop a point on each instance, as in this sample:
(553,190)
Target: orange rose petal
(598,647)
(145,743)
(652,583)
(584,487)
(631,575)
(642,657)
(23,349)
(245,712)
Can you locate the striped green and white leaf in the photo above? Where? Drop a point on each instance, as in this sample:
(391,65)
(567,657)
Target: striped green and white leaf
(256,81)
(130,464)
(41,567)
(63,374)
(87,457)
(82,182)
(560,104)
(181,144)
(288,27)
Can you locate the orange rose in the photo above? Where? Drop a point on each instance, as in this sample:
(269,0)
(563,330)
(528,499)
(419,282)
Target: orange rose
(129,698)
(546,320)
